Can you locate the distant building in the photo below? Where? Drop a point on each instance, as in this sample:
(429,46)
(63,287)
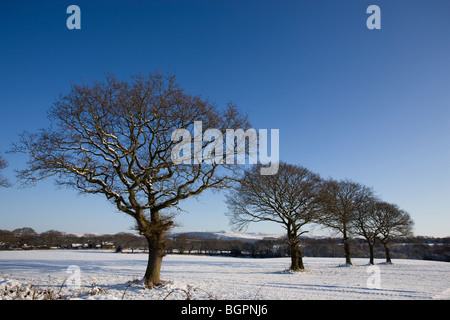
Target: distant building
(108,245)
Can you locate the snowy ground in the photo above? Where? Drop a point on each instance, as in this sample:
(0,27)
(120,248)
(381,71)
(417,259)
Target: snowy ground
(109,275)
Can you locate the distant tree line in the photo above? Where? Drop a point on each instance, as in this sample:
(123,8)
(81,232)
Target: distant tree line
(265,248)
(28,238)
(419,247)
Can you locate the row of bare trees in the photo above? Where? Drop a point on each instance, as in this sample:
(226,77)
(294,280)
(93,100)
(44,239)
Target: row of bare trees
(115,139)
(296,197)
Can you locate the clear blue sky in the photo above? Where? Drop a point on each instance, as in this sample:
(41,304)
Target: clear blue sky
(369,105)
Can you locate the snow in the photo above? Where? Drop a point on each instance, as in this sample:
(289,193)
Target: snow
(110,275)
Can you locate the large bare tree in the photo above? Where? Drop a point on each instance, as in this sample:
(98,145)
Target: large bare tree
(392,222)
(339,203)
(115,138)
(3,181)
(288,198)
(365,222)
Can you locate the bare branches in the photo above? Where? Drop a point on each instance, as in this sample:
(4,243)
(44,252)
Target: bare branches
(3,181)
(115,138)
(295,197)
(288,198)
(340,202)
(392,221)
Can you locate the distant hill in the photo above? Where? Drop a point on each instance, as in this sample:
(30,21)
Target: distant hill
(227,235)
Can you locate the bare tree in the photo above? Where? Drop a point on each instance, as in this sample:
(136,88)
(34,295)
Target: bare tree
(288,198)
(115,138)
(365,222)
(7,239)
(51,238)
(392,222)
(339,202)
(3,181)
(26,236)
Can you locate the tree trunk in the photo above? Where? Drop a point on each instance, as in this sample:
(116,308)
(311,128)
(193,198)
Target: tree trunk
(371,260)
(388,252)
(296,258)
(300,260)
(154,231)
(152,273)
(347,250)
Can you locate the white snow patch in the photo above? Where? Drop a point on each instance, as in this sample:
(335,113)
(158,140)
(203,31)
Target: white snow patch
(109,275)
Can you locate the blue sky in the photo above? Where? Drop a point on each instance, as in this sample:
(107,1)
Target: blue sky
(369,105)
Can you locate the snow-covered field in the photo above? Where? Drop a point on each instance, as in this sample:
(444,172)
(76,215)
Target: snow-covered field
(109,275)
